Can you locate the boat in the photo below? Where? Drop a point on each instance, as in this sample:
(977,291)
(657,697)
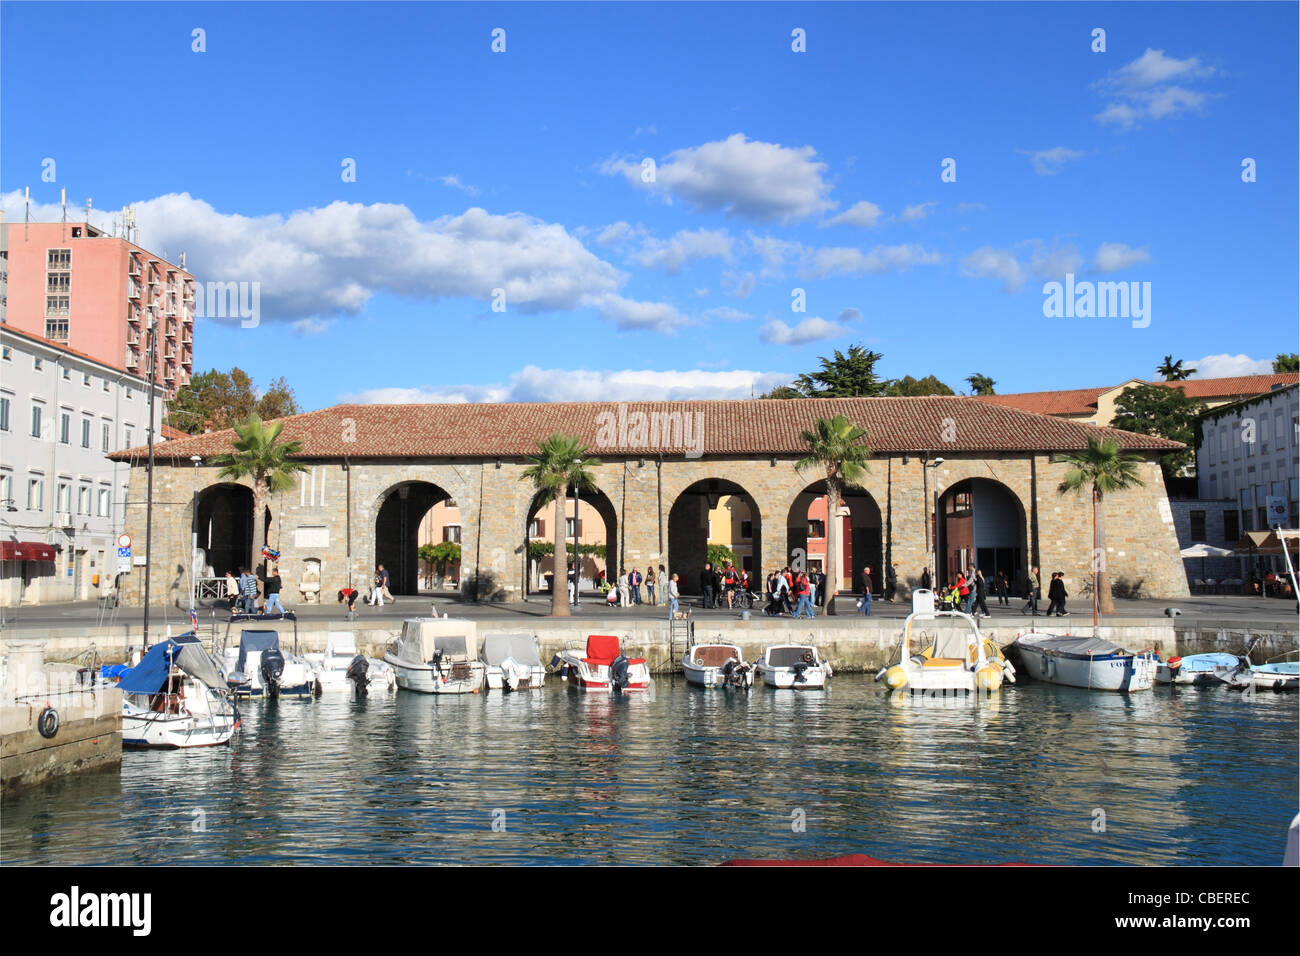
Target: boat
(1197,669)
(258,668)
(1087,662)
(1284,675)
(343,668)
(944,652)
(794,667)
(436,655)
(601,666)
(717,665)
(512,662)
(176,697)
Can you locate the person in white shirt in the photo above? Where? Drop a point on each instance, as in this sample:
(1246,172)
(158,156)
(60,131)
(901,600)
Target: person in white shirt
(624,589)
(671,591)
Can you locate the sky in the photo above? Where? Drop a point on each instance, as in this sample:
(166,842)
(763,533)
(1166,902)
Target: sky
(679,200)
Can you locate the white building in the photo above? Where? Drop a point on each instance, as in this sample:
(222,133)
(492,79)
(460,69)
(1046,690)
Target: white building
(61,499)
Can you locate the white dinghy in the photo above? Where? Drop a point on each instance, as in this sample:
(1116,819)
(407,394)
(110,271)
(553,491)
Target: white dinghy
(717,665)
(793,667)
(437,656)
(339,669)
(512,662)
(1087,662)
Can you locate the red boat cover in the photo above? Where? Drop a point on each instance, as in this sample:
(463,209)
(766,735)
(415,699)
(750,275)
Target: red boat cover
(602,648)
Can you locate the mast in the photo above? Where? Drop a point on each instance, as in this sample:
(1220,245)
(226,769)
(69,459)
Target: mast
(148,501)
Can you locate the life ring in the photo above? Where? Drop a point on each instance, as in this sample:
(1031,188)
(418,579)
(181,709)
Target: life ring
(48,722)
(699,662)
(808,657)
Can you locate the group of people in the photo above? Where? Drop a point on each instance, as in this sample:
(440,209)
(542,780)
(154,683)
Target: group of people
(786,586)
(378,591)
(722,583)
(1056,594)
(242,592)
(626,591)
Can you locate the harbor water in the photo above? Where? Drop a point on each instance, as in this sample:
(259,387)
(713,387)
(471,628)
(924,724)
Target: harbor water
(1037,774)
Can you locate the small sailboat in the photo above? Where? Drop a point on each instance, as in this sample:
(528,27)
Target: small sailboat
(1195,669)
(944,652)
(793,667)
(437,656)
(338,669)
(175,697)
(717,665)
(602,666)
(512,662)
(1087,662)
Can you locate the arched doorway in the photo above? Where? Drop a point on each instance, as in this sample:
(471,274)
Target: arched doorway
(859,534)
(397,532)
(597,527)
(981,524)
(224,519)
(713,511)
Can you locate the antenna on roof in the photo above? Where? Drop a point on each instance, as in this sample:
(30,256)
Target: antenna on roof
(27,213)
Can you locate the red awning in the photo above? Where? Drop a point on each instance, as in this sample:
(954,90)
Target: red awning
(26,551)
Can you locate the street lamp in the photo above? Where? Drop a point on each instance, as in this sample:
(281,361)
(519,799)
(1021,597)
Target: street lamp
(577,562)
(194,531)
(932,526)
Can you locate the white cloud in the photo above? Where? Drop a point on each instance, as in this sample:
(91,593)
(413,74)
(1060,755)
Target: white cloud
(819,262)
(743,178)
(1145,89)
(916,213)
(725,313)
(686,246)
(1048,162)
(1229,366)
(614,233)
(702,293)
(738,285)
(533,384)
(311,327)
(813,329)
(964,207)
(989,263)
(632,314)
(1055,262)
(454,181)
(1114,256)
(865,214)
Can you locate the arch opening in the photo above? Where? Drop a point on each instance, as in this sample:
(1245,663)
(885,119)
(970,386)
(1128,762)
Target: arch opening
(981,523)
(719,513)
(397,532)
(597,527)
(860,536)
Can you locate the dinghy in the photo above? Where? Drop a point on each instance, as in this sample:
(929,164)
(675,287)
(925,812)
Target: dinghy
(258,668)
(717,665)
(1281,676)
(437,656)
(602,666)
(793,667)
(512,662)
(1197,669)
(1087,662)
(339,669)
(944,652)
(175,697)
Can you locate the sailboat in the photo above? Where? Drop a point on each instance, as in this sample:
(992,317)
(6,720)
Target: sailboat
(175,697)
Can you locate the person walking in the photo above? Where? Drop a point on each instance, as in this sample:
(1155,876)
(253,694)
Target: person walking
(925,579)
(1058,594)
(706,585)
(383,584)
(232,591)
(1031,592)
(672,596)
(891,582)
(377,592)
(650,584)
(782,594)
(981,591)
(866,591)
(1000,589)
(634,582)
(963,589)
(821,588)
(271,584)
(624,589)
(663,581)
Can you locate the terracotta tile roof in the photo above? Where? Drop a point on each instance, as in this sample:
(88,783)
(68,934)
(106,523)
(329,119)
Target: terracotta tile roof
(1229,387)
(744,427)
(172,434)
(1075,401)
(1083,401)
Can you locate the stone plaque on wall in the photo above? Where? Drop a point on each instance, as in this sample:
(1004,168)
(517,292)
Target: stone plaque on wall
(311,536)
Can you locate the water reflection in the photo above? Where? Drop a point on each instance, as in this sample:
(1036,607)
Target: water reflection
(686,775)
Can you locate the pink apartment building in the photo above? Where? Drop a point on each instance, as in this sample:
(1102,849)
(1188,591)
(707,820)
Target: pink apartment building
(75,285)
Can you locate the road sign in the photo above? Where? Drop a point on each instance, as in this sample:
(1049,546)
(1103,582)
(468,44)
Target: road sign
(1279,511)
(124,552)
(124,541)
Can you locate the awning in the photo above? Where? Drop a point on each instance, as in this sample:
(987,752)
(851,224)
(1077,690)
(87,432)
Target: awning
(1268,542)
(26,551)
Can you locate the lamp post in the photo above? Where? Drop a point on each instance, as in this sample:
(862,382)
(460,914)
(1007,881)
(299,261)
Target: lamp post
(194,531)
(932,532)
(577,561)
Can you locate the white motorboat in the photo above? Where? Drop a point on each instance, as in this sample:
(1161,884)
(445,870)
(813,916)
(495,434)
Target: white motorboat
(602,666)
(1281,676)
(175,697)
(512,662)
(258,668)
(1196,669)
(437,656)
(343,668)
(1087,662)
(717,665)
(944,652)
(793,667)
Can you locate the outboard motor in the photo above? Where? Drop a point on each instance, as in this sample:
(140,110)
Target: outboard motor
(272,666)
(799,676)
(733,674)
(618,676)
(357,673)
(436,663)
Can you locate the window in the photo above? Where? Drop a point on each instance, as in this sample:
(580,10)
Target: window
(1230,530)
(106,384)
(8,354)
(1198,525)
(6,488)
(4,413)
(67,374)
(568,528)
(126,438)
(1212,447)
(816,528)
(58,282)
(37,364)
(35,494)
(746,529)
(57,305)
(63,497)
(83,500)
(451,532)
(59,259)
(36,420)
(537,528)
(128,393)
(85,433)
(105,503)
(65,427)
(1263,434)
(85,379)
(106,436)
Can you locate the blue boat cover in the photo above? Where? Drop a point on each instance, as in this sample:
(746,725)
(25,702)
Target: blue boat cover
(113,671)
(253,641)
(150,675)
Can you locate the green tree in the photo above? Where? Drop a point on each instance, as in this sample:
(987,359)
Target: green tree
(1286,362)
(561,462)
(837,449)
(783,391)
(1104,469)
(719,554)
(217,400)
(844,376)
(1163,411)
(1173,371)
(438,557)
(980,384)
(260,456)
(907,386)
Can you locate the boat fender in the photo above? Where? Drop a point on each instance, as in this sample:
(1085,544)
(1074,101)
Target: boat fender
(48,722)
(699,662)
(896,677)
(318,689)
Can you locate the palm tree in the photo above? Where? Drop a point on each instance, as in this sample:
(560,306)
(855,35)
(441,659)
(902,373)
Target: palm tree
(836,449)
(262,457)
(1105,470)
(561,463)
(1174,371)
(980,384)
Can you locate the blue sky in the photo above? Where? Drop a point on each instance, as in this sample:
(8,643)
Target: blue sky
(775,171)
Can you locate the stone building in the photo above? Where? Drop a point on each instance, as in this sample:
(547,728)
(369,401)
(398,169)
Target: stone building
(990,472)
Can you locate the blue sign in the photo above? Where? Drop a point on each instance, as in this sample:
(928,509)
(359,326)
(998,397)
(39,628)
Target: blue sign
(124,552)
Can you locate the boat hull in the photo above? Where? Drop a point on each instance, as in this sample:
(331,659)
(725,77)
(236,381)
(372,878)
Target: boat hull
(714,677)
(1117,672)
(425,679)
(145,729)
(784,678)
(1266,679)
(534,681)
(579,675)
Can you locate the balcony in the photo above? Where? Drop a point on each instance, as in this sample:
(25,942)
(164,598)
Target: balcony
(132,359)
(133,290)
